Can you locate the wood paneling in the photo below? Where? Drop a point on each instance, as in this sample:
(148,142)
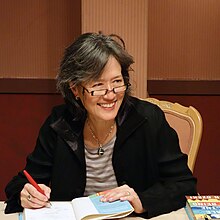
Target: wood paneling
(28,86)
(207,163)
(128,19)
(21,118)
(184,87)
(183,40)
(156,87)
(34,34)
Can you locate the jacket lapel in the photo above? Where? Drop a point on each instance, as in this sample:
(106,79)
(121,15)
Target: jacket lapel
(128,120)
(128,126)
(72,135)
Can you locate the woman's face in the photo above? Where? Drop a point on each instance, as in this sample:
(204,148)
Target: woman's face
(103,107)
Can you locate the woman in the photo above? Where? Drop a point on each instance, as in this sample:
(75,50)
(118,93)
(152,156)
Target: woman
(104,139)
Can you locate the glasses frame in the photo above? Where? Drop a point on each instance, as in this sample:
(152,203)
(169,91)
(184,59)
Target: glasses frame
(105,91)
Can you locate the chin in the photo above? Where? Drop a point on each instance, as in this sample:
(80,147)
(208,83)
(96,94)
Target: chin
(108,117)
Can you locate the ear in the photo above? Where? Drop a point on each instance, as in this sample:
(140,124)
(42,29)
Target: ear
(74,89)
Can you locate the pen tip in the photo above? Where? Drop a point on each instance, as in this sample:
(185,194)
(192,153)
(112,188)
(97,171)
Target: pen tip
(49,204)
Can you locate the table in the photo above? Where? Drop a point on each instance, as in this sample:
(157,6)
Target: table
(179,214)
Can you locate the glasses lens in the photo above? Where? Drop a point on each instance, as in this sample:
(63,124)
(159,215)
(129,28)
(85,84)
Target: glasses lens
(98,92)
(120,89)
(105,91)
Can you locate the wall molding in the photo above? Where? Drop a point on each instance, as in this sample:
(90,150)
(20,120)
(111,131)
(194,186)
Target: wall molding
(154,87)
(28,86)
(183,87)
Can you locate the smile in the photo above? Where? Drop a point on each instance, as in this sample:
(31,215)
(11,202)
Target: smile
(107,105)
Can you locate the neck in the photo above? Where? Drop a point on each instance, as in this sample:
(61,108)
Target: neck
(100,132)
(100,126)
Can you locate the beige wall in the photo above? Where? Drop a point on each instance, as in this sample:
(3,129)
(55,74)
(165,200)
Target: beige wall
(127,18)
(184,39)
(169,40)
(34,34)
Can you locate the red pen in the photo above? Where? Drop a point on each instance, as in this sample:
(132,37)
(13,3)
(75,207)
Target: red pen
(33,183)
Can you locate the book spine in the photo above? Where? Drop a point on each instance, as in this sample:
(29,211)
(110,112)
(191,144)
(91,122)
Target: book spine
(189,212)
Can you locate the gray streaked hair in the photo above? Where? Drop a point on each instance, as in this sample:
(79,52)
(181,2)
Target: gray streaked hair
(85,59)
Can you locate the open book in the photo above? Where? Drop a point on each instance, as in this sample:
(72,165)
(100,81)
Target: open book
(83,208)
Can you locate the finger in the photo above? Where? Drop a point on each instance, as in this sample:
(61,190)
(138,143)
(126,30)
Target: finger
(23,196)
(124,190)
(36,194)
(127,193)
(46,190)
(31,198)
(124,195)
(115,195)
(34,202)
(28,201)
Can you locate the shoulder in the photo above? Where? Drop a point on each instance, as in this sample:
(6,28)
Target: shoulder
(57,113)
(145,108)
(147,112)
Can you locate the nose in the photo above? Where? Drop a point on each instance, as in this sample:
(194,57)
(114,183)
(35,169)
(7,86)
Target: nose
(110,93)
(109,87)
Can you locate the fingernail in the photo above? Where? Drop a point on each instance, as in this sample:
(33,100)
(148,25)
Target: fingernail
(103,199)
(48,205)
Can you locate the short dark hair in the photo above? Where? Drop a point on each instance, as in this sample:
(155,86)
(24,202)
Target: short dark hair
(85,59)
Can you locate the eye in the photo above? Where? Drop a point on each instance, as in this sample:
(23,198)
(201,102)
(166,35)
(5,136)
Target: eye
(99,84)
(118,81)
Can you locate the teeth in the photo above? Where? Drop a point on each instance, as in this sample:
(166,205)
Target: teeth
(107,105)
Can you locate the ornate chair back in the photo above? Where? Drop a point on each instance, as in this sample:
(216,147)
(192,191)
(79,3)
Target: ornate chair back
(188,124)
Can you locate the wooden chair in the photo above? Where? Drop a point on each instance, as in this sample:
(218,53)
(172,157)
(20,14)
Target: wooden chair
(188,124)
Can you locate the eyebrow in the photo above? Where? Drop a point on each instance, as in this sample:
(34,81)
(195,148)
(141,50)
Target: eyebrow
(102,80)
(115,77)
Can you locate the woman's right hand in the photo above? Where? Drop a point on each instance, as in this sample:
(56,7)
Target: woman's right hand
(31,198)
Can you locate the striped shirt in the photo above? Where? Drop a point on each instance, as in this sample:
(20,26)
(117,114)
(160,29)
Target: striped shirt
(100,175)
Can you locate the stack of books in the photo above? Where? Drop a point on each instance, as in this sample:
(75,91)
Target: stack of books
(203,207)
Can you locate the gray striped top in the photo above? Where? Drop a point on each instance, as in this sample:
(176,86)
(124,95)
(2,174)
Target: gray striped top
(100,175)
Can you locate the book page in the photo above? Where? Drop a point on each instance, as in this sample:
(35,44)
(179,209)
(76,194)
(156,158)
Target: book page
(110,207)
(93,207)
(58,211)
(80,208)
(83,207)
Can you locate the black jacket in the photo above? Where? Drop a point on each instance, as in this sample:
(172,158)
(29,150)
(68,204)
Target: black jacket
(146,156)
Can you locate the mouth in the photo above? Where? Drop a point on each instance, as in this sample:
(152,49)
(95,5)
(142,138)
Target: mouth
(107,105)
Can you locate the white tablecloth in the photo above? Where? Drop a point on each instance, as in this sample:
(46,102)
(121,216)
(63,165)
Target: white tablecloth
(175,215)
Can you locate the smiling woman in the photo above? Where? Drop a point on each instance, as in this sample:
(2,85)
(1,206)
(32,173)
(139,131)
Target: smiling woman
(103,107)
(103,139)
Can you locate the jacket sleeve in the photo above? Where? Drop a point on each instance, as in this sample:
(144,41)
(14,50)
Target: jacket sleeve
(38,164)
(175,180)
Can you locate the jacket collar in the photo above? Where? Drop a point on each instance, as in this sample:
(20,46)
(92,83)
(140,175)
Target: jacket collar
(132,120)
(71,131)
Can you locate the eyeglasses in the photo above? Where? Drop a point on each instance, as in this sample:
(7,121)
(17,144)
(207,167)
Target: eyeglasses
(103,92)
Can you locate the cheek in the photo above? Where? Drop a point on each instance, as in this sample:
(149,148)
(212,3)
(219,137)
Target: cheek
(121,97)
(88,102)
